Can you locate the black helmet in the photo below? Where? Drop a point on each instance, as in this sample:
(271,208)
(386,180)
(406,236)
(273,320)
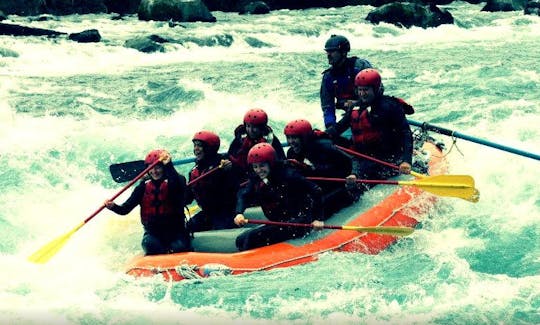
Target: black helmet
(337,43)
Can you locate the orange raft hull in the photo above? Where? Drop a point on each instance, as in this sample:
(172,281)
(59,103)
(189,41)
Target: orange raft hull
(399,208)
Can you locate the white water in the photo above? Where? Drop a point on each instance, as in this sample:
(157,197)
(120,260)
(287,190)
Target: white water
(68,110)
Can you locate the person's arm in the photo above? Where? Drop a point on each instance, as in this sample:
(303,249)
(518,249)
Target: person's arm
(328,103)
(189,196)
(335,163)
(243,198)
(276,144)
(338,128)
(405,134)
(126,207)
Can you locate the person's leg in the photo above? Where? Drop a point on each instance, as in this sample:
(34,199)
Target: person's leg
(152,245)
(223,220)
(336,200)
(268,235)
(181,244)
(199,222)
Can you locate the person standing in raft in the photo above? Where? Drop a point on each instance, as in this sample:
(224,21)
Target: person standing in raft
(215,193)
(284,196)
(379,129)
(253,130)
(337,85)
(314,155)
(161,198)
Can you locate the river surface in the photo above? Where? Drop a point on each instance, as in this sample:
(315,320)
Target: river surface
(69,110)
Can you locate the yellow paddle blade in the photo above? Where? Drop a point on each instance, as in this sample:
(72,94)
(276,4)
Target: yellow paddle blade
(382,230)
(460,186)
(192,209)
(45,253)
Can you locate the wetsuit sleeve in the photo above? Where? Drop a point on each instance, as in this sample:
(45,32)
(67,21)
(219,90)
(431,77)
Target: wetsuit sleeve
(177,184)
(361,64)
(328,104)
(342,125)
(397,116)
(276,144)
(338,163)
(134,199)
(245,196)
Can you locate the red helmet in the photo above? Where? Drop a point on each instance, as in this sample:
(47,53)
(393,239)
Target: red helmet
(209,138)
(153,156)
(256,116)
(368,78)
(261,152)
(299,127)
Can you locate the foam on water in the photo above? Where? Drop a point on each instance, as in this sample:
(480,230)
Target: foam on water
(475,263)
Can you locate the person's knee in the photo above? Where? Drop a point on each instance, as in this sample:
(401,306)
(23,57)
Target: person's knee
(181,245)
(152,246)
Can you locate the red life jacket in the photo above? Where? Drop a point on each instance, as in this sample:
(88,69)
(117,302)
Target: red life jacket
(155,201)
(198,187)
(240,157)
(363,133)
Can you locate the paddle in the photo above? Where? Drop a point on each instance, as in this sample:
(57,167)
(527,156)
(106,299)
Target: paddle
(123,172)
(381,230)
(460,186)
(456,134)
(387,164)
(45,253)
(467,192)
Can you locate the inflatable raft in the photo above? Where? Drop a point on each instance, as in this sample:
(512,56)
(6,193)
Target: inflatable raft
(215,252)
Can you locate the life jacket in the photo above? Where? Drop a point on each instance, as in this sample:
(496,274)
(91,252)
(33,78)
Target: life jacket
(343,84)
(407,108)
(197,188)
(363,133)
(319,134)
(239,157)
(155,201)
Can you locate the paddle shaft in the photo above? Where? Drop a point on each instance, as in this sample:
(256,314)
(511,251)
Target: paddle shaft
(392,231)
(444,131)
(387,164)
(366,181)
(123,189)
(193,181)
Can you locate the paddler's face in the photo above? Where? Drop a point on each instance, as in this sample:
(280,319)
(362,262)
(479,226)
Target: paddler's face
(295,143)
(198,150)
(365,94)
(334,57)
(157,172)
(261,169)
(254,131)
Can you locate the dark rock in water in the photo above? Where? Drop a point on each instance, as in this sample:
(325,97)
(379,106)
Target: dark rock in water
(22,8)
(122,7)
(255,8)
(410,14)
(7,53)
(184,11)
(158,39)
(255,42)
(532,8)
(46,17)
(144,44)
(17,30)
(504,5)
(87,36)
